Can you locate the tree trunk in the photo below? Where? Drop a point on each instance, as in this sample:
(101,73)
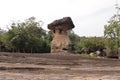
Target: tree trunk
(0,48)
(119,53)
(23,50)
(31,50)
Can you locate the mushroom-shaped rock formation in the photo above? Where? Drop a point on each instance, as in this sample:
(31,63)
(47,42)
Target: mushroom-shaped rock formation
(59,32)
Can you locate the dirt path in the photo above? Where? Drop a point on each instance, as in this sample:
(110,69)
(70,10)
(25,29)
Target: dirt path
(19,66)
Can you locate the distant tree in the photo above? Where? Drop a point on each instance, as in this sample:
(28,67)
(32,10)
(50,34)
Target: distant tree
(75,41)
(112,31)
(27,36)
(89,43)
(2,46)
(2,31)
(92,43)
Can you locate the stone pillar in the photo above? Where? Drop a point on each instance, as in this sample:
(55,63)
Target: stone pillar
(59,32)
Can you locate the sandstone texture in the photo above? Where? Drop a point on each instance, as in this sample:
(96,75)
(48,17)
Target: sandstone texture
(58,66)
(59,31)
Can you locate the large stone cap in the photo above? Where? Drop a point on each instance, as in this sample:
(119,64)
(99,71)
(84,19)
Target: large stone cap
(62,23)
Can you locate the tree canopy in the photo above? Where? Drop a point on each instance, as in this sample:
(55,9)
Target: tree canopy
(27,36)
(112,30)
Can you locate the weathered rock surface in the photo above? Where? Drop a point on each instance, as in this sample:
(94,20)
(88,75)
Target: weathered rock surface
(18,66)
(59,32)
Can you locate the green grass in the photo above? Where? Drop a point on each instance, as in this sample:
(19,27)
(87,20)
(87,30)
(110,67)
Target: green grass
(87,55)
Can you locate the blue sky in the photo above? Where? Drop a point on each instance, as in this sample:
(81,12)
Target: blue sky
(89,16)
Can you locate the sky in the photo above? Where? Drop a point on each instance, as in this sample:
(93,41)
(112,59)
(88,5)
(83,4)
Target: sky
(89,16)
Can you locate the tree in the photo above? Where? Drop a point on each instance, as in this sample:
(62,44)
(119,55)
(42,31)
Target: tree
(92,43)
(27,36)
(112,30)
(2,31)
(75,40)
(2,46)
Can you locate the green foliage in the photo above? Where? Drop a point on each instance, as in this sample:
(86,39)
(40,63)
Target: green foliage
(112,32)
(75,41)
(87,55)
(2,31)
(27,36)
(84,55)
(92,43)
